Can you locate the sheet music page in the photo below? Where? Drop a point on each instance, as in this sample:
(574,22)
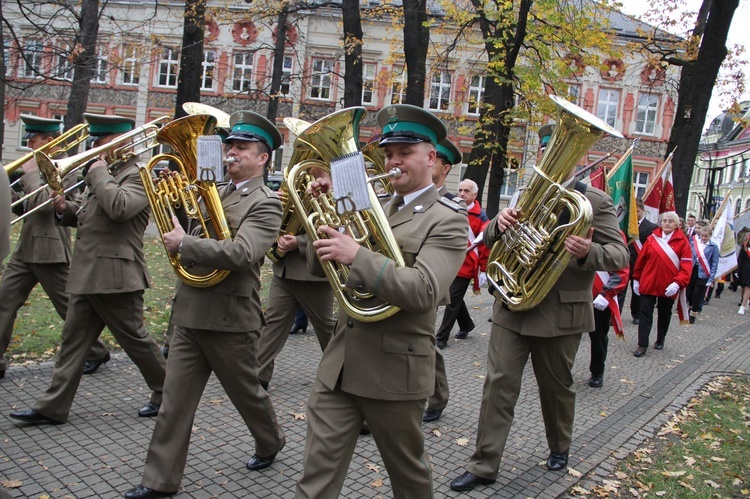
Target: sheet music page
(210,158)
(349,177)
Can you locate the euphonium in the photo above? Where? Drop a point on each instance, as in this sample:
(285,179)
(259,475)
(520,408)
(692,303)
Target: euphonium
(529,257)
(183,190)
(331,137)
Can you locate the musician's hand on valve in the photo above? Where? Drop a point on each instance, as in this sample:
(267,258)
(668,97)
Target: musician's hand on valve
(579,246)
(287,243)
(337,247)
(173,239)
(507,218)
(320,185)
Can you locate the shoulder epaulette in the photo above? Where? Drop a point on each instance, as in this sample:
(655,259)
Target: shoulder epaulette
(451,204)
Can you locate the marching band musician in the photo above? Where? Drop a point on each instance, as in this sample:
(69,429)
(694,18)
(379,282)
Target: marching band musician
(222,338)
(42,255)
(383,371)
(108,275)
(550,333)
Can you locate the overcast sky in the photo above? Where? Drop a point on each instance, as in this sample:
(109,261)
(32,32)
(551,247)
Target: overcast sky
(739,33)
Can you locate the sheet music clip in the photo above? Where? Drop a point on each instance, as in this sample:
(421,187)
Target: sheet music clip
(349,177)
(210,152)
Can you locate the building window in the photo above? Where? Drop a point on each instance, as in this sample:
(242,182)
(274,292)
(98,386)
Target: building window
(737,207)
(476,94)
(510,183)
(101,70)
(440,91)
(368,84)
(243,72)
(645,120)
(398,87)
(320,85)
(606,109)
(640,183)
(33,52)
(574,94)
(131,66)
(286,74)
(6,58)
(207,73)
(64,70)
(168,67)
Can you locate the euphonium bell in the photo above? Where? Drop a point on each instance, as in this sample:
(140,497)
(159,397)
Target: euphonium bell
(528,259)
(332,137)
(184,189)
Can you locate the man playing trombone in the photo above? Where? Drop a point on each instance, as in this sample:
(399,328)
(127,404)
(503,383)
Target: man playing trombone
(42,255)
(108,272)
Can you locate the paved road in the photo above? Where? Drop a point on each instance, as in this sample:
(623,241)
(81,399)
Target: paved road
(101,451)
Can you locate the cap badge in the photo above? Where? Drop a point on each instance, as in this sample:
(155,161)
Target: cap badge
(392,114)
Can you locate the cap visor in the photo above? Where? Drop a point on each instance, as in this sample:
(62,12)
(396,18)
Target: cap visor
(29,135)
(246,138)
(401,139)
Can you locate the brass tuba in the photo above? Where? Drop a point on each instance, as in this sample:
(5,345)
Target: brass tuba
(332,137)
(529,257)
(183,190)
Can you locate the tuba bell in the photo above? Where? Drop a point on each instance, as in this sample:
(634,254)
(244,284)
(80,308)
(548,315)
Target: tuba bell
(183,189)
(529,257)
(332,137)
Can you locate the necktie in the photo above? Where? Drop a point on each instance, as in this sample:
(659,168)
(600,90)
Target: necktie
(229,190)
(396,203)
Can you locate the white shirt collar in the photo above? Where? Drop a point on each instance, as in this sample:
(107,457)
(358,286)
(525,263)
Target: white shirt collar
(408,198)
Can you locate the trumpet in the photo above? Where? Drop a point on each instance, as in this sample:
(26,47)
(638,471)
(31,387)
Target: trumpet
(120,150)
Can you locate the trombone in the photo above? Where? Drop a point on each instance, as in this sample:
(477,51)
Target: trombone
(121,149)
(59,145)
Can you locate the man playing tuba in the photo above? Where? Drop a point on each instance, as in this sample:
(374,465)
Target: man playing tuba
(383,371)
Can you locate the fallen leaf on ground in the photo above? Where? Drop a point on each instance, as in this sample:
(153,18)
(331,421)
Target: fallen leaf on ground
(462,441)
(377,483)
(11,484)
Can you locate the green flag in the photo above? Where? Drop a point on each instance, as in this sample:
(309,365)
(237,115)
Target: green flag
(620,186)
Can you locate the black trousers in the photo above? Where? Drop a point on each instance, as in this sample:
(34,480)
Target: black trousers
(599,340)
(635,303)
(456,310)
(664,308)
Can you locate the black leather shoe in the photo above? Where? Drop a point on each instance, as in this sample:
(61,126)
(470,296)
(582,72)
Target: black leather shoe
(636,321)
(141,492)
(659,346)
(296,328)
(165,351)
(149,410)
(257,463)
(91,366)
(468,481)
(364,430)
(431,415)
(557,462)
(489,319)
(596,381)
(442,345)
(639,352)
(33,417)
(462,334)
(264,384)
(2,373)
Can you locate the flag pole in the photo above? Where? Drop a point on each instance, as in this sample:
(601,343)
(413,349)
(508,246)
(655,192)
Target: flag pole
(721,208)
(620,162)
(659,174)
(588,167)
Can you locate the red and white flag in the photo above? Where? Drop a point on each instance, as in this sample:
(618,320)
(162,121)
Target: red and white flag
(660,198)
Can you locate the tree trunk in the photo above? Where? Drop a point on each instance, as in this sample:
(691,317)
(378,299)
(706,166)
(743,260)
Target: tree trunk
(84,65)
(416,41)
(191,60)
(278,67)
(696,84)
(352,53)
(2,92)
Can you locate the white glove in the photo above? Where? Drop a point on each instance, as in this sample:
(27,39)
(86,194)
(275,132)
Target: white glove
(672,289)
(637,288)
(600,302)
(483,279)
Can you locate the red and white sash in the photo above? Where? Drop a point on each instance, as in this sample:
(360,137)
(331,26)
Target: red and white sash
(669,256)
(701,256)
(600,280)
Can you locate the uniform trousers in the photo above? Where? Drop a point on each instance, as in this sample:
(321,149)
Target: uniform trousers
(439,399)
(87,315)
(664,308)
(193,355)
(19,278)
(552,359)
(284,296)
(456,310)
(334,419)
(599,341)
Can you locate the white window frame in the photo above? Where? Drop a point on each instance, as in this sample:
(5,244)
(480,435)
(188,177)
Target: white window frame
(131,65)
(574,91)
(510,183)
(640,183)
(208,69)
(7,55)
(101,67)
(33,51)
(398,86)
(242,73)
(287,68)
(169,67)
(441,83)
(646,114)
(369,70)
(321,81)
(63,68)
(477,87)
(608,105)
